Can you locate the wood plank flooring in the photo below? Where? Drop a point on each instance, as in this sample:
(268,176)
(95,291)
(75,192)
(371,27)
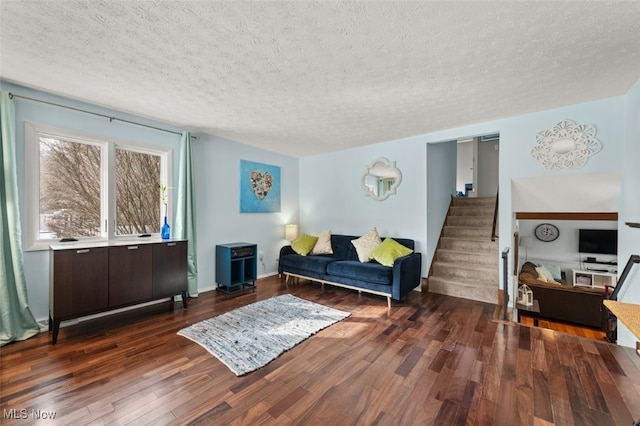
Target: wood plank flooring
(431,359)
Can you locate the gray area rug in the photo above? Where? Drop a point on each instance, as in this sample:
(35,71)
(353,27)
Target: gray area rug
(250,337)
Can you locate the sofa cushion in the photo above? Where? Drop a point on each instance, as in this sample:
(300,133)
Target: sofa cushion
(366,244)
(390,250)
(323,245)
(304,244)
(372,271)
(316,264)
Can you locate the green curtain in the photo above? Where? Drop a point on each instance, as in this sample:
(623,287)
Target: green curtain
(16,320)
(185,226)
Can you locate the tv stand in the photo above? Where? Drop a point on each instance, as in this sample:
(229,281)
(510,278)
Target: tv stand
(596,262)
(594,278)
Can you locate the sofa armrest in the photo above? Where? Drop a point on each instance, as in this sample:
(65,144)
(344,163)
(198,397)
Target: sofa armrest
(283,252)
(406,275)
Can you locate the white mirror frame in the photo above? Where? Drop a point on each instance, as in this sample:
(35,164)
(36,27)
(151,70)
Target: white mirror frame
(381,168)
(566,145)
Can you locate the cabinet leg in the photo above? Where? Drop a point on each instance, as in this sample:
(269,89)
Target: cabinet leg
(184,300)
(56,328)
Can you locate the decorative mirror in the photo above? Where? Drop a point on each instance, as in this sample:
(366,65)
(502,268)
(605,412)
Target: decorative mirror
(381,179)
(566,145)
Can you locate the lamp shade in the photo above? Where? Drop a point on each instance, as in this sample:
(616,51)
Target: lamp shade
(291,231)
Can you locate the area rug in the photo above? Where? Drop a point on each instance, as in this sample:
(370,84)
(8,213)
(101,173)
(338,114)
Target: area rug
(250,337)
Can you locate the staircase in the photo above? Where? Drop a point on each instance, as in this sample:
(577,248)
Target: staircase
(466,261)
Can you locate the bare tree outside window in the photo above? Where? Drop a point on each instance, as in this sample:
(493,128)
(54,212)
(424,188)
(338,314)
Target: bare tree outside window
(70,190)
(137,192)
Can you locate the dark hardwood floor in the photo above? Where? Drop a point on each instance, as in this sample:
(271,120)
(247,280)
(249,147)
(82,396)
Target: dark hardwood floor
(431,359)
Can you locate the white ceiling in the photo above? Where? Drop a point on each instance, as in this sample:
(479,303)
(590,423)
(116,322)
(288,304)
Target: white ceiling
(304,77)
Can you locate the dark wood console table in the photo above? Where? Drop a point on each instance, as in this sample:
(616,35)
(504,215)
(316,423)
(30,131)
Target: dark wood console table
(90,278)
(532,311)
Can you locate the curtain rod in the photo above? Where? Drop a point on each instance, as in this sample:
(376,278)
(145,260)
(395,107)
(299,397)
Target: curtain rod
(111,119)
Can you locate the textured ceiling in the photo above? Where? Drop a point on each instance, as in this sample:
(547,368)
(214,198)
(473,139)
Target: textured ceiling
(303,78)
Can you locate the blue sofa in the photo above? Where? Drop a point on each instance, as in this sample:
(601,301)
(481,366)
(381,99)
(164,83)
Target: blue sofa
(342,268)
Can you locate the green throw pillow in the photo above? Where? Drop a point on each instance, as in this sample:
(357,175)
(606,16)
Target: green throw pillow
(387,252)
(304,244)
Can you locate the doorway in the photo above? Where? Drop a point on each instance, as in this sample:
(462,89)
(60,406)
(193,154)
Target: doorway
(478,166)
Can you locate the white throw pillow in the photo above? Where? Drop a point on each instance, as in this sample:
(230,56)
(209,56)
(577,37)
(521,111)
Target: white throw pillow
(366,244)
(323,245)
(544,274)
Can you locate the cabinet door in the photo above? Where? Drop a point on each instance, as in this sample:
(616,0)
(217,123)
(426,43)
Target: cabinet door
(80,282)
(169,268)
(129,274)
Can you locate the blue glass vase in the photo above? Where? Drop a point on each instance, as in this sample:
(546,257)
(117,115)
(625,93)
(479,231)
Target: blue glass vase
(165,231)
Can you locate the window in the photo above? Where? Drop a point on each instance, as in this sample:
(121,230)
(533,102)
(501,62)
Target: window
(85,188)
(137,192)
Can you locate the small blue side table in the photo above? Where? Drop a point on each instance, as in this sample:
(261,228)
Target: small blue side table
(236,267)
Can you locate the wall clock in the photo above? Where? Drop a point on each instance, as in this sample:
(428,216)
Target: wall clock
(547,232)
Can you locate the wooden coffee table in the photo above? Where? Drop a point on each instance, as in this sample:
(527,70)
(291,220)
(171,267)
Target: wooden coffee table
(532,311)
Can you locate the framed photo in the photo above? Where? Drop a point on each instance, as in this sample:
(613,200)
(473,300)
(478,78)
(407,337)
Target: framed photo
(259,187)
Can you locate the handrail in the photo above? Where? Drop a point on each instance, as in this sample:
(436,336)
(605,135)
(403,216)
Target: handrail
(633,259)
(611,326)
(495,218)
(505,287)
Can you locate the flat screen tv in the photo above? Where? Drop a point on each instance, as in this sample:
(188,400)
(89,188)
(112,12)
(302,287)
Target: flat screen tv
(598,241)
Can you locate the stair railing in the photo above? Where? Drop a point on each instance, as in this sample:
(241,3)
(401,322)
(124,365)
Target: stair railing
(633,259)
(505,287)
(611,322)
(495,219)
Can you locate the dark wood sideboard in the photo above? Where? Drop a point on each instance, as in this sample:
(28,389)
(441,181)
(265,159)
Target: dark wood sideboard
(90,278)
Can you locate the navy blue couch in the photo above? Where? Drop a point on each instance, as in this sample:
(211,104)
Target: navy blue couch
(342,268)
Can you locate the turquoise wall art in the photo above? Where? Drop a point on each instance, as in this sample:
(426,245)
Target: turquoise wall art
(259,187)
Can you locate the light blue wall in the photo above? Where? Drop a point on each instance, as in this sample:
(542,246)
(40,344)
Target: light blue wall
(442,162)
(324,191)
(518,136)
(629,238)
(216,170)
(216,166)
(332,197)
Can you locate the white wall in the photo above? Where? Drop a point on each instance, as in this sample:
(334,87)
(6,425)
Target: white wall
(488,168)
(564,250)
(464,169)
(216,170)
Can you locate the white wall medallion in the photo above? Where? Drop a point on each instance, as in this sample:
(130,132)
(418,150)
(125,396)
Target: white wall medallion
(566,145)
